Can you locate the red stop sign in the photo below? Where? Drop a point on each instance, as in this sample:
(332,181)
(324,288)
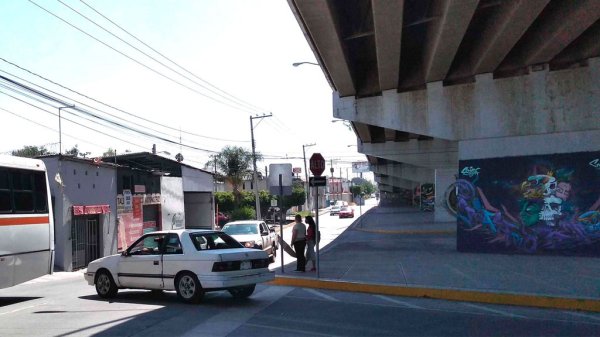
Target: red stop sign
(317,164)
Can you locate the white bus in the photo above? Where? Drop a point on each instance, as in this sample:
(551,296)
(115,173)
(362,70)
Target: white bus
(26,221)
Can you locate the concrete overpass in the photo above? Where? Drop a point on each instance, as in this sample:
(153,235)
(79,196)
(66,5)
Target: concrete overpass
(432,85)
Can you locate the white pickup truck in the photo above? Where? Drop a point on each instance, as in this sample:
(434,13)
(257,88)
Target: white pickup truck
(254,234)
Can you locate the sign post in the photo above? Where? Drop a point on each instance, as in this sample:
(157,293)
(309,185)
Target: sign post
(317,166)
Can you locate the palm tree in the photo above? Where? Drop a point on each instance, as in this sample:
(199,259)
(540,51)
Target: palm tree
(233,164)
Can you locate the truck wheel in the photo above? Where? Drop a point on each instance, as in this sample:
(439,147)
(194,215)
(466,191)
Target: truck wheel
(274,251)
(242,292)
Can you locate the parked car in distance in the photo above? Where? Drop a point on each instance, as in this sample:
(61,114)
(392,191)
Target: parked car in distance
(335,210)
(254,234)
(346,212)
(191,262)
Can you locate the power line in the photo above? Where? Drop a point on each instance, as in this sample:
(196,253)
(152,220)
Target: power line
(103,103)
(136,61)
(109,121)
(173,62)
(157,61)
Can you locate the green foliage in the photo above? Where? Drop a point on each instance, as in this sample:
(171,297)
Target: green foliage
(233,164)
(225,200)
(365,187)
(243,213)
(74,151)
(247,199)
(297,198)
(30,151)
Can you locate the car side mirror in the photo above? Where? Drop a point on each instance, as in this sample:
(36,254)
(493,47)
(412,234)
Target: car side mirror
(124,253)
(271,229)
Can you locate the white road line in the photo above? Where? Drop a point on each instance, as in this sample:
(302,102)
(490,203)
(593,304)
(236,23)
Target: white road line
(393,300)
(499,312)
(595,318)
(293,331)
(320,294)
(24,308)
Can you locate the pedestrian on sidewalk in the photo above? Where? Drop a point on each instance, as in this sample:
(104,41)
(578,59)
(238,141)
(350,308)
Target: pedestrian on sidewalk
(311,241)
(299,243)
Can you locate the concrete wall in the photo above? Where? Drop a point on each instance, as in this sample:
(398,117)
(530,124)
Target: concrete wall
(196,180)
(444,178)
(84,184)
(198,210)
(538,103)
(172,206)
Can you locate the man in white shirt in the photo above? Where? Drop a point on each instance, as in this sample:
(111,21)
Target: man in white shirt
(299,243)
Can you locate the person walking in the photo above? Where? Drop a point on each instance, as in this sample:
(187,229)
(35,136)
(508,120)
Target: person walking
(311,240)
(299,243)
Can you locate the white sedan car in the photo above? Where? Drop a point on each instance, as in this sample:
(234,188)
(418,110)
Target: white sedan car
(191,262)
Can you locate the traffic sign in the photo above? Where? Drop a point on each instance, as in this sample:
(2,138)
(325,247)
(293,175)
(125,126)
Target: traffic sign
(317,164)
(317,181)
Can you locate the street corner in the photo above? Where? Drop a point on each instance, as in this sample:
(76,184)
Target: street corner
(499,298)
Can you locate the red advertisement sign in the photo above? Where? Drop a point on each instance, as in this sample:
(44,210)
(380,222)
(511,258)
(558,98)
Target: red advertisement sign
(137,207)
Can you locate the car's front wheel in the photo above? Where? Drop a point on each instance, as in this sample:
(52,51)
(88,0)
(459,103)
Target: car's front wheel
(105,285)
(188,288)
(242,292)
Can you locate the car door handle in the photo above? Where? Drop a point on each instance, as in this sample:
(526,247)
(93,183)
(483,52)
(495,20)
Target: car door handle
(155,263)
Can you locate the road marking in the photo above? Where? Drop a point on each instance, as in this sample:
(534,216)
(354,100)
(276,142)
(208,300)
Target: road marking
(406,304)
(230,319)
(322,295)
(292,331)
(20,309)
(595,318)
(499,312)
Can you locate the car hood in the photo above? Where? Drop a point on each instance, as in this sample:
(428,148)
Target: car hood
(103,262)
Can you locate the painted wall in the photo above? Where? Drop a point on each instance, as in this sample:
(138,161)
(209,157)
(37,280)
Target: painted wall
(539,204)
(83,184)
(171,190)
(198,210)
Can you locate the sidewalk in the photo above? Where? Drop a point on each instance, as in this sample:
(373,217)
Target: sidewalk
(401,251)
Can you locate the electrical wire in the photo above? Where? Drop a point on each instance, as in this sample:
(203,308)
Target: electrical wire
(136,61)
(158,61)
(105,104)
(254,107)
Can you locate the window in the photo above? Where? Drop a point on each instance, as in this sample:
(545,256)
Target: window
(208,241)
(5,199)
(147,245)
(173,245)
(23,191)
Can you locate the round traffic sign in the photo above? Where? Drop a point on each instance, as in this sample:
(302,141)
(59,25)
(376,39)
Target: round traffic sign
(317,164)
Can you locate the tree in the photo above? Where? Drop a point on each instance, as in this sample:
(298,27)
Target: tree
(297,198)
(233,165)
(110,152)
(225,201)
(30,151)
(74,151)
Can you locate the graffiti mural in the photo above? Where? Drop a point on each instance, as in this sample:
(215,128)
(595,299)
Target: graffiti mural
(531,205)
(427,203)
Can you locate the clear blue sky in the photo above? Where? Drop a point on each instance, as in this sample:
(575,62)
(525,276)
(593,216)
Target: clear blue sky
(245,48)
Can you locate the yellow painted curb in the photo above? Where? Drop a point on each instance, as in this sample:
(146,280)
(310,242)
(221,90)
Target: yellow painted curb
(406,232)
(445,294)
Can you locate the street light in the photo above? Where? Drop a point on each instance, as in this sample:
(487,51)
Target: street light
(296,64)
(60,127)
(306,185)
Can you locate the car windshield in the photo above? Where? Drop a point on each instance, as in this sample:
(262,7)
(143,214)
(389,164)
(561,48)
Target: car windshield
(207,241)
(345,209)
(240,229)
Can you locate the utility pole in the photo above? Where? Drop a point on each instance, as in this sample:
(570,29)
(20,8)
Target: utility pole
(255,177)
(306,186)
(60,127)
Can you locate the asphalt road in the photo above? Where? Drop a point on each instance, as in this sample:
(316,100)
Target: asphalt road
(64,305)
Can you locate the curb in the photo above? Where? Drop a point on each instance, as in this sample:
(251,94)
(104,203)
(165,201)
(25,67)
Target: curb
(526,300)
(406,232)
